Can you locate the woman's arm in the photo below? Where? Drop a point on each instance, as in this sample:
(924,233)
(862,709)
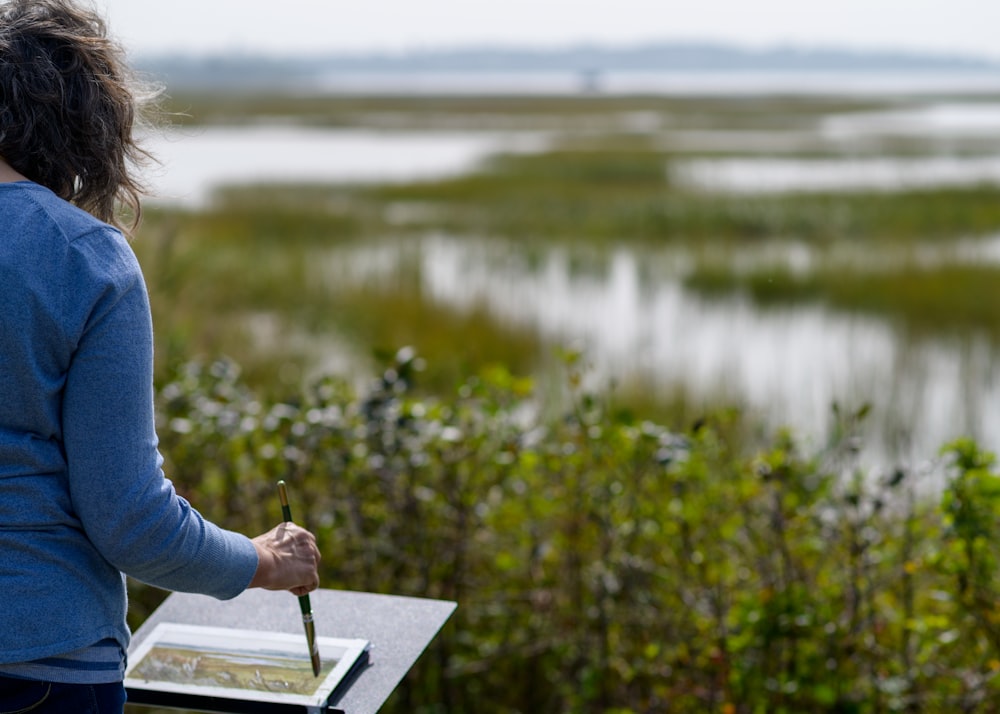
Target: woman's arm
(129,510)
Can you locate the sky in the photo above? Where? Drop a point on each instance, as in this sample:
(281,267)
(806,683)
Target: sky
(282,27)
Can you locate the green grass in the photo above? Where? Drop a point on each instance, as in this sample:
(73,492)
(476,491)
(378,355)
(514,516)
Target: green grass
(504,112)
(454,342)
(211,273)
(950,299)
(625,195)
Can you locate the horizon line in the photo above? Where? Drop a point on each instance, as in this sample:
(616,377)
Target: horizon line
(606,47)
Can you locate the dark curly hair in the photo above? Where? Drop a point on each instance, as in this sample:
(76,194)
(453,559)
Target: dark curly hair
(68,103)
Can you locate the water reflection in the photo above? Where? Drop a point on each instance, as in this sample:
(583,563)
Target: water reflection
(636,321)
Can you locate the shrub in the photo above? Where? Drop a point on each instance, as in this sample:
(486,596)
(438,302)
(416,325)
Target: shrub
(603,564)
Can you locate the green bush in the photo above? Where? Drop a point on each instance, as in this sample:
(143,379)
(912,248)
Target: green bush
(606,565)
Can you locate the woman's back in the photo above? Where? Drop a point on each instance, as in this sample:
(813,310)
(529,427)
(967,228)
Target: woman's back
(57,264)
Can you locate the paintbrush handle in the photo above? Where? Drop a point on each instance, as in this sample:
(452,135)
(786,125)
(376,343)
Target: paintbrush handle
(304,605)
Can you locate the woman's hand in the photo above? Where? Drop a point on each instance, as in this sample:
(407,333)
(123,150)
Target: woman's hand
(288,559)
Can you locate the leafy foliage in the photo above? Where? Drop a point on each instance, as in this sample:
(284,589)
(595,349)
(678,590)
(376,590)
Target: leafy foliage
(606,565)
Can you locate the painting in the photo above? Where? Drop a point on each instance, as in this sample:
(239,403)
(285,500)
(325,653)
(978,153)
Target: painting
(243,665)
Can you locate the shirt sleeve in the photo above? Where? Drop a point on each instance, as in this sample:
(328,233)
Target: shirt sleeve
(128,509)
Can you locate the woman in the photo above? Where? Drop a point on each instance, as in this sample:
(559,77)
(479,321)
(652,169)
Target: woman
(82,495)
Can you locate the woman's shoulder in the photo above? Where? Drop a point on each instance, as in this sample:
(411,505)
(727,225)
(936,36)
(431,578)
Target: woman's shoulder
(31,210)
(56,245)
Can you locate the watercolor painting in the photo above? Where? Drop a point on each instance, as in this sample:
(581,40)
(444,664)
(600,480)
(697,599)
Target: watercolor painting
(247,665)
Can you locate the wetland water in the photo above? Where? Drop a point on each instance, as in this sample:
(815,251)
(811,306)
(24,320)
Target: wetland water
(938,124)
(194,161)
(631,312)
(634,319)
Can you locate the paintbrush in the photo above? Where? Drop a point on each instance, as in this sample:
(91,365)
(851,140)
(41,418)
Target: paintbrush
(304,605)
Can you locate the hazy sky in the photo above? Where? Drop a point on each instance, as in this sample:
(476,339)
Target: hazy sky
(967,27)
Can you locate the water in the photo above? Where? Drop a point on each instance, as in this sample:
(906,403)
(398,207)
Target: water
(928,121)
(631,313)
(787,175)
(942,127)
(193,162)
(633,318)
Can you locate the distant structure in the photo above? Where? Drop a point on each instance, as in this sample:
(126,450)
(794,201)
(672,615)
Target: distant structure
(590,81)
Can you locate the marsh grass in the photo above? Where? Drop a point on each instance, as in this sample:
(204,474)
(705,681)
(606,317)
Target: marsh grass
(455,342)
(209,271)
(949,299)
(254,252)
(626,195)
(587,112)
(212,273)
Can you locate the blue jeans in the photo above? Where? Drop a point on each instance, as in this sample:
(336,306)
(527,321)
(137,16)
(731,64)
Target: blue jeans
(25,696)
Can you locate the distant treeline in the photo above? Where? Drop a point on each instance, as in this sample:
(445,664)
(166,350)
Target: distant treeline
(247,70)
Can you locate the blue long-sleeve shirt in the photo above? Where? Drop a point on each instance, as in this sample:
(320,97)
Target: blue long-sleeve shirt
(83,498)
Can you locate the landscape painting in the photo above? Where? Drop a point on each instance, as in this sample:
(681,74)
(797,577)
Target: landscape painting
(245,665)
